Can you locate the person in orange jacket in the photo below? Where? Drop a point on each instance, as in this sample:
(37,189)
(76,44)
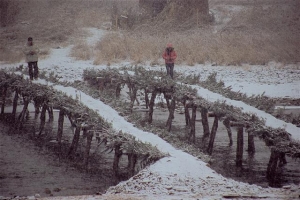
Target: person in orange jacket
(169,55)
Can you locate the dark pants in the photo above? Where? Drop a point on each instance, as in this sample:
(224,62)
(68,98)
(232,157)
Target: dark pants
(170,68)
(33,70)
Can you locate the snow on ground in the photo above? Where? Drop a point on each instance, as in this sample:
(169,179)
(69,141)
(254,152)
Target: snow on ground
(275,80)
(182,176)
(270,120)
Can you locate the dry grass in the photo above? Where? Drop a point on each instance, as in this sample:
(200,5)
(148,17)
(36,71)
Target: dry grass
(226,48)
(260,34)
(50,23)
(81,51)
(115,47)
(10,56)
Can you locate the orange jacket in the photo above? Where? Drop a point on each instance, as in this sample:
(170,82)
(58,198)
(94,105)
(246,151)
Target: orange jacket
(169,55)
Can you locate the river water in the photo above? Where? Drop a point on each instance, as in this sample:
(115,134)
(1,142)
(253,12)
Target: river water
(223,157)
(27,169)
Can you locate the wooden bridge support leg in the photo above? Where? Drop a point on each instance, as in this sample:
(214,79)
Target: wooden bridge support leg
(50,113)
(240,147)
(43,118)
(15,104)
(171,114)
(4,92)
(212,136)
(101,81)
(118,154)
(205,123)
(118,90)
(89,139)
(226,123)
(132,159)
(251,145)
(186,114)
(60,130)
(146,98)
(272,166)
(192,135)
(151,106)
(22,115)
(75,141)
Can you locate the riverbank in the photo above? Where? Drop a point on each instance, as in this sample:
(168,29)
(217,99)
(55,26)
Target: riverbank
(27,170)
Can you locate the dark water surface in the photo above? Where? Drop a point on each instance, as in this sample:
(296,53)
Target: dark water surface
(223,157)
(27,169)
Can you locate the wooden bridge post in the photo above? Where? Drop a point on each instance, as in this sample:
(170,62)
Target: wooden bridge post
(75,141)
(15,104)
(132,159)
(101,83)
(50,113)
(171,114)
(240,146)
(43,118)
(151,106)
(204,113)
(146,98)
(226,123)
(118,154)
(251,146)
(22,115)
(89,139)
(272,166)
(4,92)
(213,135)
(60,126)
(192,135)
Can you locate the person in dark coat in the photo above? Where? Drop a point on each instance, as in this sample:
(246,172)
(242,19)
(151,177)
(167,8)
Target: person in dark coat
(31,52)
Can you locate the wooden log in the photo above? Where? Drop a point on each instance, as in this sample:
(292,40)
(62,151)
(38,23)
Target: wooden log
(192,135)
(187,115)
(43,118)
(133,98)
(251,145)
(171,114)
(272,166)
(118,90)
(60,131)
(101,82)
(212,135)
(226,123)
(205,124)
(4,92)
(75,141)
(146,98)
(117,156)
(132,159)
(89,138)
(22,115)
(50,112)
(240,146)
(36,107)
(15,104)
(151,106)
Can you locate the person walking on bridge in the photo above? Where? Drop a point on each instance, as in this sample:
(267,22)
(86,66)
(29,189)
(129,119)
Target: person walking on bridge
(31,52)
(170,56)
